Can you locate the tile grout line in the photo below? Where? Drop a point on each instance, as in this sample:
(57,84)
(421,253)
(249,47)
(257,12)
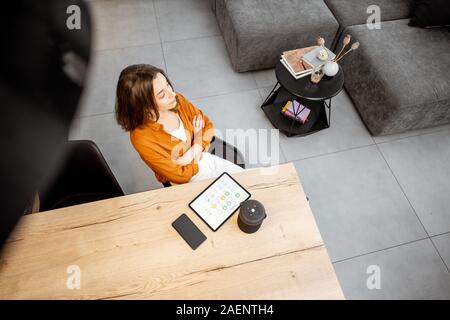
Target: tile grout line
(412,136)
(193,38)
(127,47)
(97,1)
(435,248)
(412,207)
(261,94)
(376,251)
(224,94)
(401,188)
(256,84)
(371,136)
(359,147)
(160,39)
(259,91)
(331,153)
(154,43)
(93,115)
(440,234)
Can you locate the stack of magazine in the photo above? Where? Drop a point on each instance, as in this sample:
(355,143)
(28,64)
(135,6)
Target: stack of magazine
(296,111)
(301,62)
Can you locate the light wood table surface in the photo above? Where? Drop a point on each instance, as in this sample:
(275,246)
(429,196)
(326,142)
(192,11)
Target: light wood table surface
(126,248)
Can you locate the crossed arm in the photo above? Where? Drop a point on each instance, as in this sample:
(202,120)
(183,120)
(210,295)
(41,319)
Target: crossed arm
(195,151)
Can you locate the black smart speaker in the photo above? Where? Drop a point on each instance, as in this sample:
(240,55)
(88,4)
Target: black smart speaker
(251,215)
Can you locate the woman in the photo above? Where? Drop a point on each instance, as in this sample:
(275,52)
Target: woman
(170,134)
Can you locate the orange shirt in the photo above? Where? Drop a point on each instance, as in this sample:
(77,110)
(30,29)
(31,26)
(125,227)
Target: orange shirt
(156,146)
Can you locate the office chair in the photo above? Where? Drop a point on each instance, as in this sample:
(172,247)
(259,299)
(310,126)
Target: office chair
(84,177)
(224,150)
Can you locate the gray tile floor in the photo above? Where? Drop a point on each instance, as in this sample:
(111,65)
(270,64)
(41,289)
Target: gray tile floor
(382,204)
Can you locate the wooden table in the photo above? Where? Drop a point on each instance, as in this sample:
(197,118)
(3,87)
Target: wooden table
(126,248)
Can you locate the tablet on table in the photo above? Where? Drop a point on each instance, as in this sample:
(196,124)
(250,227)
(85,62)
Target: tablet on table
(219,201)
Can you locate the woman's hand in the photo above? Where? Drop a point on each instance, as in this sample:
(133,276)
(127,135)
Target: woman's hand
(197,148)
(198,123)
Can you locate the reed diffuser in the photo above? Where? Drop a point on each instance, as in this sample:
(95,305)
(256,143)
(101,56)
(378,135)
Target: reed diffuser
(332,67)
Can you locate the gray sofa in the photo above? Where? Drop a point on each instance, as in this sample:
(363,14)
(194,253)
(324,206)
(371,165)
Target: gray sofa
(398,79)
(257,31)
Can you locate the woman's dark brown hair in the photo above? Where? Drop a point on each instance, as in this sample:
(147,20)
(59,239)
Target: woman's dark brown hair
(135,102)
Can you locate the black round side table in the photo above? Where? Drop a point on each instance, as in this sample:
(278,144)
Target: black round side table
(315,96)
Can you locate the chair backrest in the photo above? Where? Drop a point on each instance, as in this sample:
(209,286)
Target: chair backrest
(84,177)
(226,151)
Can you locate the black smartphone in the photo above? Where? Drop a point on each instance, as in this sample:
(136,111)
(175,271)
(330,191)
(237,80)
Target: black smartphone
(189,231)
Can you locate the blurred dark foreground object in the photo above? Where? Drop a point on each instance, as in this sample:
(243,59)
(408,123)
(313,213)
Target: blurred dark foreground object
(83,177)
(43,67)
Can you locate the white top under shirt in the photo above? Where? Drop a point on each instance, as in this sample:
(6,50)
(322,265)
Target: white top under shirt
(179,133)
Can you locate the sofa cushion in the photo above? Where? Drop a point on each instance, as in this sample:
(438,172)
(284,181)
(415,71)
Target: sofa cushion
(398,78)
(354,12)
(256,32)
